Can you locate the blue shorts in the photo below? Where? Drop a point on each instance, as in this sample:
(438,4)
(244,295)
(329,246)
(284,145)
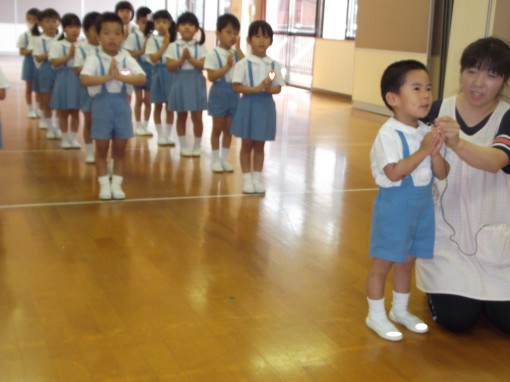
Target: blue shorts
(222,100)
(111,117)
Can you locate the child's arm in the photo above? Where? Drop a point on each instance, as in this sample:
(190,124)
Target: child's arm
(88,80)
(240,88)
(136,77)
(60,61)
(41,57)
(198,63)
(404,167)
(156,56)
(440,167)
(213,75)
(173,65)
(2,94)
(25,51)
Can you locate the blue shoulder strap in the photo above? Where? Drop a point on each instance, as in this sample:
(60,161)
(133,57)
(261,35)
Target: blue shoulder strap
(138,45)
(250,73)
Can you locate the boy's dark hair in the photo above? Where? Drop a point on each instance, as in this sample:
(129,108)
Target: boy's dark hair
(69,19)
(142,12)
(395,75)
(162,14)
(261,25)
(33,12)
(125,5)
(108,17)
(226,19)
(190,18)
(490,53)
(90,20)
(48,13)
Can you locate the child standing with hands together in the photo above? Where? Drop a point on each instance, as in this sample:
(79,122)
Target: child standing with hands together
(110,75)
(257,77)
(186,58)
(223,100)
(405,157)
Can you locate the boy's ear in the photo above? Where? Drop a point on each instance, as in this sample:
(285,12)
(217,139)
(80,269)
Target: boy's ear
(391,98)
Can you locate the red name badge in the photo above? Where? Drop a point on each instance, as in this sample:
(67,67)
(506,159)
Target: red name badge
(272,75)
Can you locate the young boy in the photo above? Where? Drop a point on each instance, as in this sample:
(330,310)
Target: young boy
(3,86)
(404,159)
(87,48)
(223,101)
(110,76)
(135,44)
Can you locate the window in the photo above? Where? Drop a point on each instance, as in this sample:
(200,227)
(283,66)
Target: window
(339,20)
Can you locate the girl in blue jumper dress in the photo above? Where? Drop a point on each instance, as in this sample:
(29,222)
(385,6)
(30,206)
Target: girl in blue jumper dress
(28,69)
(257,77)
(161,82)
(66,92)
(185,57)
(49,20)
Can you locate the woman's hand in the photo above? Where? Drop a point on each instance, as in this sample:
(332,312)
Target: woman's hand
(450,128)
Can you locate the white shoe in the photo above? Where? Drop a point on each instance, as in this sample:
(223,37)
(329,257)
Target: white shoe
(75,144)
(105,191)
(186,152)
(162,141)
(146,132)
(217,167)
(42,124)
(170,141)
(51,135)
(117,191)
(384,330)
(259,187)
(140,131)
(58,134)
(65,144)
(411,322)
(90,159)
(227,167)
(31,114)
(248,188)
(196,152)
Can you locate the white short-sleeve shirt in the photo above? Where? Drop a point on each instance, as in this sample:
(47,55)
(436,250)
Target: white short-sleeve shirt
(260,67)
(39,45)
(92,67)
(57,51)
(171,51)
(152,48)
(83,50)
(24,40)
(134,41)
(211,61)
(387,148)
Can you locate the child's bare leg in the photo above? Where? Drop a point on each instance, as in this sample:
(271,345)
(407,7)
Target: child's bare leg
(118,153)
(198,129)
(217,128)
(182,116)
(245,157)
(147,105)
(87,138)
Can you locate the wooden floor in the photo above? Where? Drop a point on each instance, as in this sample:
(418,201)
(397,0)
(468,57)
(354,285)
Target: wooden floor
(189,280)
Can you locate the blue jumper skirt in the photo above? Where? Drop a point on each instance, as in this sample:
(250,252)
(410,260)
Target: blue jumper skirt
(146,66)
(46,74)
(403,220)
(28,69)
(161,81)
(66,90)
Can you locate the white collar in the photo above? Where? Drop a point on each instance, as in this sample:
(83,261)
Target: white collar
(258,60)
(187,43)
(397,125)
(223,50)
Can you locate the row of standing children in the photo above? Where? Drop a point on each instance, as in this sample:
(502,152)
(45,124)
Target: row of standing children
(176,82)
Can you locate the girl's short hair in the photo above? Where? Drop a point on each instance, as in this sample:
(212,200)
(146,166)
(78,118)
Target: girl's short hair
(489,53)
(260,25)
(190,18)
(69,19)
(162,14)
(33,12)
(48,13)
(90,20)
(142,12)
(108,17)
(125,5)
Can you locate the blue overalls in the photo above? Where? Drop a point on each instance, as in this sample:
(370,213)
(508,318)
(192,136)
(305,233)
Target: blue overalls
(403,219)
(66,91)
(222,99)
(46,73)
(111,113)
(255,117)
(188,92)
(161,80)
(28,69)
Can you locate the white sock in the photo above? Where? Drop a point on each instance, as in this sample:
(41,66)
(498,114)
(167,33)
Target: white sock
(66,137)
(49,124)
(30,108)
(89,148)
(182,141)
(168,130)
(399,304)
(216,155)
(145,125)
(224,153)
(197,144)
(257,176)
(247,177)
(376,310)
(72,136)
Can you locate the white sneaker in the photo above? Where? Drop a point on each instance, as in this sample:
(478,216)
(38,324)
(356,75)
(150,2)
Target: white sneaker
(105,191)
(42,124)
(185,152)
(117,192)
(259,187)
(75,144)
(196,152)
(140,131)
(51,135)
(58,134)
(146,132)
(384,329)
(90,159)
(227,167)
(217,167)
(31,114)
(170,141)
(65,144)
(162,141)
(410,321)
(248,187)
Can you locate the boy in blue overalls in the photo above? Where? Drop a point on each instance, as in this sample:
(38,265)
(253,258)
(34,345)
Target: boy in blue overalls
(404,158)
(109,77)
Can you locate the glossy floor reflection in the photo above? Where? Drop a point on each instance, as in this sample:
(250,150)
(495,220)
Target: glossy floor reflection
(189,280)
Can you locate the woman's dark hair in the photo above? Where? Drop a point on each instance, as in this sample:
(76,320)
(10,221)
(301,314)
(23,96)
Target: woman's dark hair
(90,20)
(162,14)
(226,19)
(125,5)
(48,13)
(489,53)
(190,18)
(142,12)
(395,75)
(260,25)
(108,17)
(33,12)
(69,19)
